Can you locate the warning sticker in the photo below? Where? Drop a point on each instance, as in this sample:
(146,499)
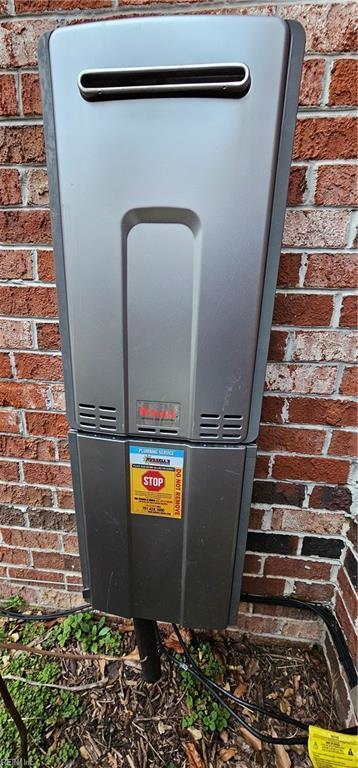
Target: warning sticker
(328,749)
(156,480)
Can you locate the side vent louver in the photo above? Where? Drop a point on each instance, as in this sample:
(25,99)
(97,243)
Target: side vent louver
(102,418)
(214,426)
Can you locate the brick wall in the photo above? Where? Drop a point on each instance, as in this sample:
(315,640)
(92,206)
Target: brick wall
(302,535)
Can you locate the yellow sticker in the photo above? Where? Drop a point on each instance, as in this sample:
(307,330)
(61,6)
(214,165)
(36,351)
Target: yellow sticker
(328,749)
(156,481)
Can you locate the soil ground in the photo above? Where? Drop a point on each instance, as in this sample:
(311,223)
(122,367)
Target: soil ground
(127,723)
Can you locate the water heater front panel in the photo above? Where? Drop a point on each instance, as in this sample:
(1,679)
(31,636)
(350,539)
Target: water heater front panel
(165,210)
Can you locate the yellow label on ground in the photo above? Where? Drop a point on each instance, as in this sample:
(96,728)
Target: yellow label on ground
(328,749)
(156,481)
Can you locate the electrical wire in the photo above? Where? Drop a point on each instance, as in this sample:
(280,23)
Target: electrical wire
(204,680)
(44,616)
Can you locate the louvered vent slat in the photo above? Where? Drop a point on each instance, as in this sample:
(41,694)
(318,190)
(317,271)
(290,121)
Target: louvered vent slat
(102,418)
(214,427)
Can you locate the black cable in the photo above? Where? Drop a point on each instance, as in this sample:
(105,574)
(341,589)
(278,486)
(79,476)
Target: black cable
(267,711)
(329,619)
(44,616)
(287,741)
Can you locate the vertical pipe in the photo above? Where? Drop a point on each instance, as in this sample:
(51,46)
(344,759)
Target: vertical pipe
(146,634)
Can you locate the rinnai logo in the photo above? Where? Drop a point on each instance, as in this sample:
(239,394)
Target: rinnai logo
(154,413)
(164,414)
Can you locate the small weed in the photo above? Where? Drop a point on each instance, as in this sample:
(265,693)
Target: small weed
(92,634)
(42,709)
(202,707)
(14,603)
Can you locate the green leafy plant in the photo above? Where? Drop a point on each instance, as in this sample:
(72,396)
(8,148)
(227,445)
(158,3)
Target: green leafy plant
(42,709)
(14,603)
(202,708)
(93,634)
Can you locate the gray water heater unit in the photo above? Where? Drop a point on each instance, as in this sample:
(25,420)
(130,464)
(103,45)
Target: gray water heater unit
(168,146)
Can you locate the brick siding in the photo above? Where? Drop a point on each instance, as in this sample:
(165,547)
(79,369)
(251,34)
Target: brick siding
(302,536)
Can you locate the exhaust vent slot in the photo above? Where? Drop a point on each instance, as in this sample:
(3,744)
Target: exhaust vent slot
(218,80)
(227,427)
(101,418)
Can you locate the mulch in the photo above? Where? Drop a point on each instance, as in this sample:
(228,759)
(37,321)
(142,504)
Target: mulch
(126,722)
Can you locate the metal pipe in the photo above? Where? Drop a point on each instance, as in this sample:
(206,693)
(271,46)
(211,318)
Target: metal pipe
(146,634)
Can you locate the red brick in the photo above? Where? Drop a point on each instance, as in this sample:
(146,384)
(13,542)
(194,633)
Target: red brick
(65,499)
(37,187)
(10,192)
(258,625)
(349,312)
(272,438)
(47,474)
(70,544)
(30,93)
(289,271)
(329,346)
(252,564)
(349,383)
(344,443)
(15,334)
(343,85)
(9,421)
(306,521)
(302,309)
(22,447)
(46,266)
(32,575)
(312,82)
(28,301)
(315,228)
(348,593)
(332,270)
(30,539)
(23,494)
(58,397)
(311,591)
(22,144)
(25,226)
(48,336)
(19,41)
(337,185)
(302,378)
(309,410)
(63,450)
(297,185)
(41,6)
(18,395)
(278,341)
(9,471)
(38,366)
(346,624)
(256,519)
(15,265)
(319,469)
(325,138)
(260,585)
(53,424)
(262,466)
(16,556)
(55,561)
(272,409)
(8,96)
(293,567)
(5,367)
(302,630)
(328,27)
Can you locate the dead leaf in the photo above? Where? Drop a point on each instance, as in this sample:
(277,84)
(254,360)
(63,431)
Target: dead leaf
(85,753)
(253,668)
(172,642)
(226,754)
(102,665)
(240,689)
(132,656)
(14,637)
(195,733)
(283,760)
(253,741)
(112,760)
(194,759)
(125,626)
(224,736)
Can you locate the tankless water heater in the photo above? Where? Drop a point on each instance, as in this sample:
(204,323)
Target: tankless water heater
(168,146)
